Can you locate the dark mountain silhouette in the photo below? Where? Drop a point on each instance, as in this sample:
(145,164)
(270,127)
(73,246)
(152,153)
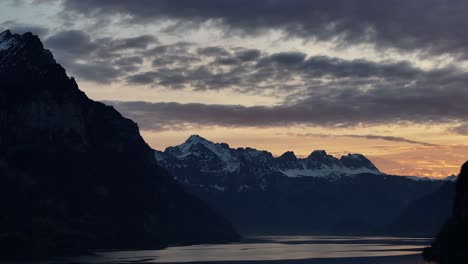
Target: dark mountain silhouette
(451,244)
(436,209)
(320,194)
(75,175)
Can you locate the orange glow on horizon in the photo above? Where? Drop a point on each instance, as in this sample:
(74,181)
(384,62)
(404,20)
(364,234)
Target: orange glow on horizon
(395,158)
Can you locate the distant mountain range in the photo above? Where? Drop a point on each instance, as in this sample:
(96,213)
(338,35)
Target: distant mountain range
(320,194)
(75,175)
(217,162)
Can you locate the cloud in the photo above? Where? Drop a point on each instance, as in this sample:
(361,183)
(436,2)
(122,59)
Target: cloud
(368,136)
(343,91)
(213,51)
(433,26)
(78,42)
(102,60)
(74,42)
(461,129)
(426,161)
(99,72)
(160,116)
(315,90)
(21,28)
(248,54)
(179,54)
(142,78)
(129,61)
(139,42)
(358,86)
(285,58)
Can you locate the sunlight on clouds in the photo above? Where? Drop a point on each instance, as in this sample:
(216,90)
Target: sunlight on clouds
(437,161)
(121,92)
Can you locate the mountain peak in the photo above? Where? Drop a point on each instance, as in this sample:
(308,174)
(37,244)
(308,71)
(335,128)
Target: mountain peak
(356,160)
(195,139)
(5,34)
(354,156)
(6,40)
(288,155)
(320,155)
(24,57)
(215,154)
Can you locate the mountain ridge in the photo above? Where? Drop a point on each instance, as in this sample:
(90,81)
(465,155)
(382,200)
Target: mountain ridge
(219,158)
(76,175)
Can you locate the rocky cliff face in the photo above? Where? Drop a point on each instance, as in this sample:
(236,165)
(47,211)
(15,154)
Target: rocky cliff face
(75,174)
(451,244)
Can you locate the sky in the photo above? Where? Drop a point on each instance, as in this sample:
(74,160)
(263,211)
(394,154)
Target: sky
(388,79)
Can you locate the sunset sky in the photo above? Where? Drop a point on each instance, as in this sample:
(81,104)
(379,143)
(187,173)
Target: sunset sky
(388,79)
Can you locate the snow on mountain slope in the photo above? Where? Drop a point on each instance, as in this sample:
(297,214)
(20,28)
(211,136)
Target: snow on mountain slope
(215,157)
(326,171)
(221,151)
(452,178)
(6,40)
(218,162)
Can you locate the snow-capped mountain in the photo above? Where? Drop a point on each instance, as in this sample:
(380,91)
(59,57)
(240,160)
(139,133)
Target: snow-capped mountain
(7,40)
(452,178)
(200,161)
(264,194)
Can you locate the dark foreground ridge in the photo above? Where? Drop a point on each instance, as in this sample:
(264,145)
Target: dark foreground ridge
(451,244)
(75,175)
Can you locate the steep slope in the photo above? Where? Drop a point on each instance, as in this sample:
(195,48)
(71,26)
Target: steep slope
(76,175)
(451,243)
(320,194)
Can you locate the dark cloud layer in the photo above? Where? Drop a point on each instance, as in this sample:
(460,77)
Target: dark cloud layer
(311,90)
(103,60)
(21,28)
(368,136)
(461,129)
(315,90)
(434,26)
(346,87)
(319,112)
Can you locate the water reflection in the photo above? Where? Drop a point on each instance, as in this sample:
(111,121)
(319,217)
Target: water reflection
(279,249)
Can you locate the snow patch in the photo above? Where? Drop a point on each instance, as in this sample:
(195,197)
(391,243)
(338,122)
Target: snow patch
(6,41)
(325,171)
(219,188)
(416,178)
(222,151)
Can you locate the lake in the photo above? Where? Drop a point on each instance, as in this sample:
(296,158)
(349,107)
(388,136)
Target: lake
(277,249)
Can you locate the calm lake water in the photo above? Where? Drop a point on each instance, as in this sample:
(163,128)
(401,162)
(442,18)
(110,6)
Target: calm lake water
(278,249)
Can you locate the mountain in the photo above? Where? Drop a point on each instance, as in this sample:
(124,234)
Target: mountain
(200,161)
(75,175)
(320,194)
(451,243)
(425,216)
